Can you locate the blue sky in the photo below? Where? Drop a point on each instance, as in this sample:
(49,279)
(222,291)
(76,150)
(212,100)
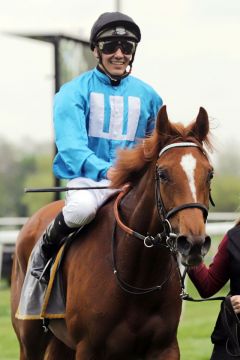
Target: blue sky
(189,53)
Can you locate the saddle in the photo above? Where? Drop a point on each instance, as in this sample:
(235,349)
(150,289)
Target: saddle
(45,301)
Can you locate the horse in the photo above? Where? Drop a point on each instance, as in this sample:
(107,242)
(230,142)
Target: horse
(121,273)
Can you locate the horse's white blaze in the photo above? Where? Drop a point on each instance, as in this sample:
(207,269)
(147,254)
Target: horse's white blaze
(188,163)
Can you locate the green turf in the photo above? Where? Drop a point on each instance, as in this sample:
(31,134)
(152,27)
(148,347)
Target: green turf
(196,325)
(8,340)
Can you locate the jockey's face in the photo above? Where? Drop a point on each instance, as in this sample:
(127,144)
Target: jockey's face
(115,63)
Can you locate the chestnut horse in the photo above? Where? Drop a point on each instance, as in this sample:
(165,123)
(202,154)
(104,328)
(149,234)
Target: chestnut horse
(120,274)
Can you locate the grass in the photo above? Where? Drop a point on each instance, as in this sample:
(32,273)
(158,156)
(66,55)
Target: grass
(194,332)
(198,319)
(8,340)
(196,326)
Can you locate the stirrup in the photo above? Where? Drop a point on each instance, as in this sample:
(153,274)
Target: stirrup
(45,275)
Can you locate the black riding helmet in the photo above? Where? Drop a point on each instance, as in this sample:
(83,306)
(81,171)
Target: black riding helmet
(111,20)
(113,25)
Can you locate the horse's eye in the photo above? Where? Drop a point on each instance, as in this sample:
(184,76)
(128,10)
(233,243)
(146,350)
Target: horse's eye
(163,175)
(210,176)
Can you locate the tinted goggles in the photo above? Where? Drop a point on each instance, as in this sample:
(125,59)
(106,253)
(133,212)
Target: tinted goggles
(111,46)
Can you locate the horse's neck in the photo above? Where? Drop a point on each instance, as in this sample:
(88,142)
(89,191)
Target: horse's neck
(143,214)
(140,214)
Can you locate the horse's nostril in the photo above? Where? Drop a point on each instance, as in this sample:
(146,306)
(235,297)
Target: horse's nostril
(183,245)
(206,245)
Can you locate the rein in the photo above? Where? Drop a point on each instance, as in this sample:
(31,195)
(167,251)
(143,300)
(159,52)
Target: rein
(133,290)
(149,241)
(185,296)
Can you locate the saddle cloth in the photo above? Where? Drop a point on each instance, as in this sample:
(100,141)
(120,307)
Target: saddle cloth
(38,300)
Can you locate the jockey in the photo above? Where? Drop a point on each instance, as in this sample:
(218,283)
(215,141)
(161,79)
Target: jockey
(96,114)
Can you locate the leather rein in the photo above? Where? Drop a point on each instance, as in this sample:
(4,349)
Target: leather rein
(166,238)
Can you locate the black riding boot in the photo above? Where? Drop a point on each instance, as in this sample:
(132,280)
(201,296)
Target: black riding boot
(47,247)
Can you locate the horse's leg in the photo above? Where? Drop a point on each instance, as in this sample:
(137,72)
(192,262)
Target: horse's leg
(57,350)
(170,353)
(22,355)
(33,341)
(83,351)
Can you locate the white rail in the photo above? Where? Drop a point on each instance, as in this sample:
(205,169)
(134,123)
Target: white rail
(8,237)
(223,216)
(12,221)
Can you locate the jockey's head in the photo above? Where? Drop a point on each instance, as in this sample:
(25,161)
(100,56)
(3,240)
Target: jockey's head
(114,38)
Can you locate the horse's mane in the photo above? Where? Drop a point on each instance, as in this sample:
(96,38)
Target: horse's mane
(132,163)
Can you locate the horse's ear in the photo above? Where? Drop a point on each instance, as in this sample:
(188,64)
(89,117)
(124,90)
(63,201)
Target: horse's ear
(163,124)
(200,128)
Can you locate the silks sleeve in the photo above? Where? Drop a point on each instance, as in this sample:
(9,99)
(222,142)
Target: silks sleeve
(74,158)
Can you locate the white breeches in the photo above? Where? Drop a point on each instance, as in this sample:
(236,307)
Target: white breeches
(81,205)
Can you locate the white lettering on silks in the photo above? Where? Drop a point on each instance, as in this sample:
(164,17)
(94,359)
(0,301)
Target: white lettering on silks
(188,163)
(120,127)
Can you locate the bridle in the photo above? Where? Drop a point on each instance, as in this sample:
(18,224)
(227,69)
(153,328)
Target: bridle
(166,238)
(163,213)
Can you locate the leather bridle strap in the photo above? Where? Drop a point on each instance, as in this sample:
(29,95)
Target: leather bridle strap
(128,288)
(124,227)
(179,144)
(148,240)
(202,207)
(167,215)
(160,205)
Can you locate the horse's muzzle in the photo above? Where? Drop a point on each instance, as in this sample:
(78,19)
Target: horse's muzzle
(193,248)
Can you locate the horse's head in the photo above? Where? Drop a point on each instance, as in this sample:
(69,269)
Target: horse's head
(183,183)
(174,158)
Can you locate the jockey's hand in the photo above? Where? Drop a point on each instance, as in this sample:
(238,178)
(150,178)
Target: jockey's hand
(235,300)
(110,173)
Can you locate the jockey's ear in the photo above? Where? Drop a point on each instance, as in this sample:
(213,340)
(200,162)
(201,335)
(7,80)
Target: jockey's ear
(200,128)
(96,53)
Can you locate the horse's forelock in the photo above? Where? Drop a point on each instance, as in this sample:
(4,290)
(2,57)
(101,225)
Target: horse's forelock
(159,139)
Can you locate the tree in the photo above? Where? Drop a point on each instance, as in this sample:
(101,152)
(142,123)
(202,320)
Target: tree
(41,177)
(20,168)
(226,181)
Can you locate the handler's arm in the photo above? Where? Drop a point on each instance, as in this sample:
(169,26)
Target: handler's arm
(209,281)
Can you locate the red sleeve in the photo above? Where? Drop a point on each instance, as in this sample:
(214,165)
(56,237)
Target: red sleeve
(209,281)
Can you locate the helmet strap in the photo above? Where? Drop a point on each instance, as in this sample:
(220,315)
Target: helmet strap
(115,79)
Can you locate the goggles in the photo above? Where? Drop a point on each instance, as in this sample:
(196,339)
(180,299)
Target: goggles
(109,47)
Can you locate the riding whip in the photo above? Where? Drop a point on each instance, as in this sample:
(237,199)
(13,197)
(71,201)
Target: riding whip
(60,189)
